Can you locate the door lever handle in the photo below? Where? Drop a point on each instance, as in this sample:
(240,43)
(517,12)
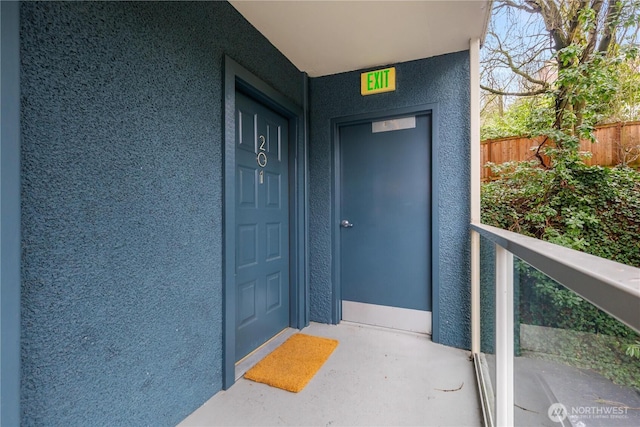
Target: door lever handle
(345,223)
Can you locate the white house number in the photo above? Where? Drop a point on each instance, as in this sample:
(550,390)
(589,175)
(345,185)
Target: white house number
(262,153)
(262,157)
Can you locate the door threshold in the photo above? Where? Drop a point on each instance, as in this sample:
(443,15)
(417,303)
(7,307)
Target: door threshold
(250,360)
(403,319)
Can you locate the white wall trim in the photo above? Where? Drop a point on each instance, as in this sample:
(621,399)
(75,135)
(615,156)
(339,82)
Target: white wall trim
(474,78)
(474,69)
(404,319)
(10,213)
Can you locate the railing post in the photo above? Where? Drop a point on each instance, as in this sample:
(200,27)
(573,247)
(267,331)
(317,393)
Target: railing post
(504,337)
(475,293)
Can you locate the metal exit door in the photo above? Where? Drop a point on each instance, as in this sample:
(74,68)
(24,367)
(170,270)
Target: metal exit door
(385,229)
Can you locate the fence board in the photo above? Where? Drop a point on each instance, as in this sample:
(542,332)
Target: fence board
(630,137)
(605,152)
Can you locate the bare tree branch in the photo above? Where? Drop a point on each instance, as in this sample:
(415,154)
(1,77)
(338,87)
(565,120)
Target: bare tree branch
(575,21)
(593,31)
(514,68)
(506,93)
(610,23)
(532,8)
(553,22)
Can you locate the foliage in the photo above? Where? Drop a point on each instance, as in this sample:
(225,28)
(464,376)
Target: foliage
(519,119)
(545,303)
(574,61)
(587,208)
(604,354)
(573,67)
(634,349)
(625,104)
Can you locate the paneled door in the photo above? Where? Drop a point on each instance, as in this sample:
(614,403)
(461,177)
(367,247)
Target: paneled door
(262,225)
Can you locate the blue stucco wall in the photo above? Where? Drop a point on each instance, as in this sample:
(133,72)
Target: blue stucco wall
(443,80)
(122,205)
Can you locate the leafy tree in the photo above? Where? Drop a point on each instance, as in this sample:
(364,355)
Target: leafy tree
(625,103)
(571,55)
(518,120)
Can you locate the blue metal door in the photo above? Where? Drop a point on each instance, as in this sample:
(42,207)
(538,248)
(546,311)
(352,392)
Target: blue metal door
(385,232)
(262,225)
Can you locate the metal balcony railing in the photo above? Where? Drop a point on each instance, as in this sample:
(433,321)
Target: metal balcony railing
(610,286)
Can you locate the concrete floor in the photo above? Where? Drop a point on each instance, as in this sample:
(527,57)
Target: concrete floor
(376,376)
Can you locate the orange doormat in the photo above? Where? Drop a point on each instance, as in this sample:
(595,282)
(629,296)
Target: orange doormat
(292,365)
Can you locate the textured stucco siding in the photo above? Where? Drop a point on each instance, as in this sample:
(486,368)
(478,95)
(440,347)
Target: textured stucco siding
(442,80)
(121,200)
(122,205)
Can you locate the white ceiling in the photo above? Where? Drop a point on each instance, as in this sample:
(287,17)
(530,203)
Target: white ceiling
(329,37)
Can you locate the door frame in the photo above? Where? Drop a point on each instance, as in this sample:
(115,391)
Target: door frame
(336,124)
(238,78)
(10,230)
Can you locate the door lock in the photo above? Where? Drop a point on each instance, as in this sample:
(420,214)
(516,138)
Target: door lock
(345,223)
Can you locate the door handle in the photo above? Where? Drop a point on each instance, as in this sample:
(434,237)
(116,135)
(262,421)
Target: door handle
(345,223)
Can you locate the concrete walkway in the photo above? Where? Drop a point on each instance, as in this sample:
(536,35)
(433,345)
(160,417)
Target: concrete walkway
(376,377)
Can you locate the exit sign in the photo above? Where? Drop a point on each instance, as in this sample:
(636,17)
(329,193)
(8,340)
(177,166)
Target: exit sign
(378,81)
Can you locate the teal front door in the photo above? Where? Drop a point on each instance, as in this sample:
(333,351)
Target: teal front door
(262,225)
(385,213)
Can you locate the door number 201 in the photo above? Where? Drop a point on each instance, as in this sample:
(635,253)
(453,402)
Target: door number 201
(262,153)
(262,157)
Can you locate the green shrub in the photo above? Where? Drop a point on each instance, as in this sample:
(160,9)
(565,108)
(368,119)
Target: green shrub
(587,208)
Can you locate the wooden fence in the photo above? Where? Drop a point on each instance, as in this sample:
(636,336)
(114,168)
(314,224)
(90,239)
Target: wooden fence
(606,152)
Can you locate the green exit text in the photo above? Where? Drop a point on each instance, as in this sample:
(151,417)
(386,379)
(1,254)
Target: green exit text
(378,81)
